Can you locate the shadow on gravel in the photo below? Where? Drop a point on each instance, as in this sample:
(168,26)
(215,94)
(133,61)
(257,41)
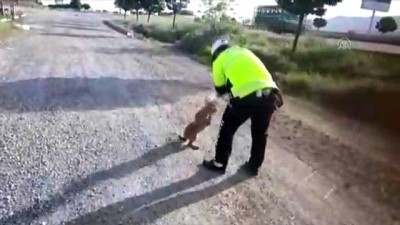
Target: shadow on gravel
(78,27)
(72,23)
(140,50)
(77,35)
(104,93)
(45,207)
(147,208)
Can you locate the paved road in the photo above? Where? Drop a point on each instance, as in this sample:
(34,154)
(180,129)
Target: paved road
(88,119)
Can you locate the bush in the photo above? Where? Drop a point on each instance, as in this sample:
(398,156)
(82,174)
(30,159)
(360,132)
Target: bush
(76,4)
(329,60)
(186,12)
(197,19)
(165,13)
(386,24)
(86,6)
(298,83)
(344,80)
(203,37)
(60,6)
(165,34)
(364,99)
(274,61)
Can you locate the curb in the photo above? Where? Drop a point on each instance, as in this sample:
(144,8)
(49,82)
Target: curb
(117,28)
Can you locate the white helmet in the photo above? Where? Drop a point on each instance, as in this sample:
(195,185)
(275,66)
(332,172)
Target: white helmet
(218,43)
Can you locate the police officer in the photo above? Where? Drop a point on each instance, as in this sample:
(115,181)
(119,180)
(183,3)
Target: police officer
(238,72)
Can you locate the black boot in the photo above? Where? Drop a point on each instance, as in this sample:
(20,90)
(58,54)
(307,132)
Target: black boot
(214,166)
(250,170)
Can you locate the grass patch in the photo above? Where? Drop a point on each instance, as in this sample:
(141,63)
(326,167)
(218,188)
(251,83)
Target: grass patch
(161,21)
(364,85)
(365,99)
(5,29)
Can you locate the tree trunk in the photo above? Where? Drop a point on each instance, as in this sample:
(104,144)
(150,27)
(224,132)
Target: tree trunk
(173,21)
(148,16)
(296,39)
(1,8)
(12,12)
(137,15)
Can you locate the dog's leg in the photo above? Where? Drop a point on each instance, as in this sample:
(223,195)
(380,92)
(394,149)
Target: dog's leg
(193,146)
(182,138)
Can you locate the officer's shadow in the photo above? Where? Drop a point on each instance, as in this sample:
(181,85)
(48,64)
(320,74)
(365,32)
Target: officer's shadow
(150,206)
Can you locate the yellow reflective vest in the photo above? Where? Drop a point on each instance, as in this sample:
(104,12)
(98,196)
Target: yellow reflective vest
(243,69)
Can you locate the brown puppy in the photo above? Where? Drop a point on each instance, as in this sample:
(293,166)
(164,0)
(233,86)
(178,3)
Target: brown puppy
(202,120)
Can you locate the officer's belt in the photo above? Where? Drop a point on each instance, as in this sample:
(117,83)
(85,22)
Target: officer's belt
(263,92)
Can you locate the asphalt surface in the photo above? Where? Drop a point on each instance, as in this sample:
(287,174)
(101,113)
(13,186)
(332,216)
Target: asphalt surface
(89,119)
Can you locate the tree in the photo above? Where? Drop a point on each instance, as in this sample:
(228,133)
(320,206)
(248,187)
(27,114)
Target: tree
(86,6)
(12,10)
(76,4)
(137,5)
(176,6)
(386,24)
(1,8)
(152,6)
(319,22)
(302,8)
(125,5)
(216,9)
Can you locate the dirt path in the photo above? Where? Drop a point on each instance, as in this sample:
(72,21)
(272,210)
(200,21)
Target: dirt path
(88,118)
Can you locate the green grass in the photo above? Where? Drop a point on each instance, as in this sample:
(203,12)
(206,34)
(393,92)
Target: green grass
(365,85)
(161,21)
(5,29)
(313,56)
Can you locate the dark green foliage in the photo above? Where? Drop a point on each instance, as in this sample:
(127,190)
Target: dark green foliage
(386,24)
(319,22)
(60,6)
(304,8)
(152,6)
(126,5)
(76,4)
(176,6)
(86,6)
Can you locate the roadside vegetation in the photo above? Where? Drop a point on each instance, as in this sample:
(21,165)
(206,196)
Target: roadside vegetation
(363,84)
(5,29)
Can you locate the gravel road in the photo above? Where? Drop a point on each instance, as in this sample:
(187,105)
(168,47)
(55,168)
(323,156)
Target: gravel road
(89,118)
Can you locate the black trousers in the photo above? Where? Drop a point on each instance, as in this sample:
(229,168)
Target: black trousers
(259,110)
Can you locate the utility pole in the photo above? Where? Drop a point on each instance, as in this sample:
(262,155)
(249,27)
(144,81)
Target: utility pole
(370,23)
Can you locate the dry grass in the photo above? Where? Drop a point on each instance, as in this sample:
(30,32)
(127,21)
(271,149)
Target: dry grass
(364,85)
